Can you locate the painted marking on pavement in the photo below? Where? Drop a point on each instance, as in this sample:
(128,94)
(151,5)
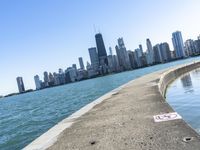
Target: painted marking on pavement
(167,117)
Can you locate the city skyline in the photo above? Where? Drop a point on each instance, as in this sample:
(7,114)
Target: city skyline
(124,60)
(20,51)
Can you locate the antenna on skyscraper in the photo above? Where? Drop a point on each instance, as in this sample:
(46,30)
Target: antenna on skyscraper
(99,31)
(95,31)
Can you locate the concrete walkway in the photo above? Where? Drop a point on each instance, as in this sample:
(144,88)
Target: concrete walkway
(125,121)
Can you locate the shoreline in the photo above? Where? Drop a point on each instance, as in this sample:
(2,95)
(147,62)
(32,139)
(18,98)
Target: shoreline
(39,144)
(98,76)
(52,137)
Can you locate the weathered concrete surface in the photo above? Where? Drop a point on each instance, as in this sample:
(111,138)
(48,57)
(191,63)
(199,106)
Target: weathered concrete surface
(125,121)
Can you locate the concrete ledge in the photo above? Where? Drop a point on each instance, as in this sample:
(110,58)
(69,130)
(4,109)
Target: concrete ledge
(174,73)
(50,137)
(123,119)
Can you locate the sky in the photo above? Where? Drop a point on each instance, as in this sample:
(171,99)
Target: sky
(45,35)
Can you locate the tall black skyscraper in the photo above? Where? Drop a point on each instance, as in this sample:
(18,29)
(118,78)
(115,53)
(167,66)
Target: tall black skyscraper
(101,50)
(20,84)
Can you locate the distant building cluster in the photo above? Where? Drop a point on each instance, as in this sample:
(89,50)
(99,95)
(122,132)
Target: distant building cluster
(102,63)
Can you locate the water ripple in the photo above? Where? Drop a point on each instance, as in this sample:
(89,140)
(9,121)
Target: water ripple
(186,98)
(25,117)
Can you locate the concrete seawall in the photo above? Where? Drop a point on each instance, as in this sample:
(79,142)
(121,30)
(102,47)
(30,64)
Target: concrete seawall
(123,119)
(174,73)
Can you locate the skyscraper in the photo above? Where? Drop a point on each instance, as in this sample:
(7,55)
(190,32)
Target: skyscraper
(111,63)
(197,46)
(138,56)
(132,59)
(116,63)
(74,66)
(157,54)
(165,52)
(20,84)
(60,71)
(90,71)
(178,44)
(81,63)
(37,82)
(51,79)
(102,54)
(110,58)
(94,58)
(122,55)
(190,47)
(71,72)
(150,52)
(56,78)
(110,51)
(46,79)
(141,50)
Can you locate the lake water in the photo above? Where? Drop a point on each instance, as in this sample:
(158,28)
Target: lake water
(184,97)
(25,117)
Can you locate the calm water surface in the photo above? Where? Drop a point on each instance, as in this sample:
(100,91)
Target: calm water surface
(184,96)
(25,117)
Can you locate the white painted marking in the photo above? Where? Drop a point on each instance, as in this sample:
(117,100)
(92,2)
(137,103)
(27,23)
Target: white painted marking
(167,117)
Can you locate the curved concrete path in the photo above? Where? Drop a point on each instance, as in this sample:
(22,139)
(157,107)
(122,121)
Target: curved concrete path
(124,120)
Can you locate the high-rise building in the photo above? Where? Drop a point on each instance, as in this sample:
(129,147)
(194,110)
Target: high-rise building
(81,63)
(143,60)
(56,79)
(60,71)
(74,66)
(71,72)
(102,54)
(61,77)
(37,82)
(90,71)
(165,52)
(51,79)
(190,47)
(94,58)
(46,79)
(178,44)
(81,74)
(197,46)
(110,51)
(142,56)
(20,84)
(131,55)
(116,63)
(141,50)
(111,63)
(157,54)
(150,52)
(46,76)
(122,55)
(146,57)
(138,57)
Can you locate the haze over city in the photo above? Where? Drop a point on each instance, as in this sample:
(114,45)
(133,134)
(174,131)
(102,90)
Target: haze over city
(38,36)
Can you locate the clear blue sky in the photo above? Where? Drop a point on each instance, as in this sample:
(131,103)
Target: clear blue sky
(44,35)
